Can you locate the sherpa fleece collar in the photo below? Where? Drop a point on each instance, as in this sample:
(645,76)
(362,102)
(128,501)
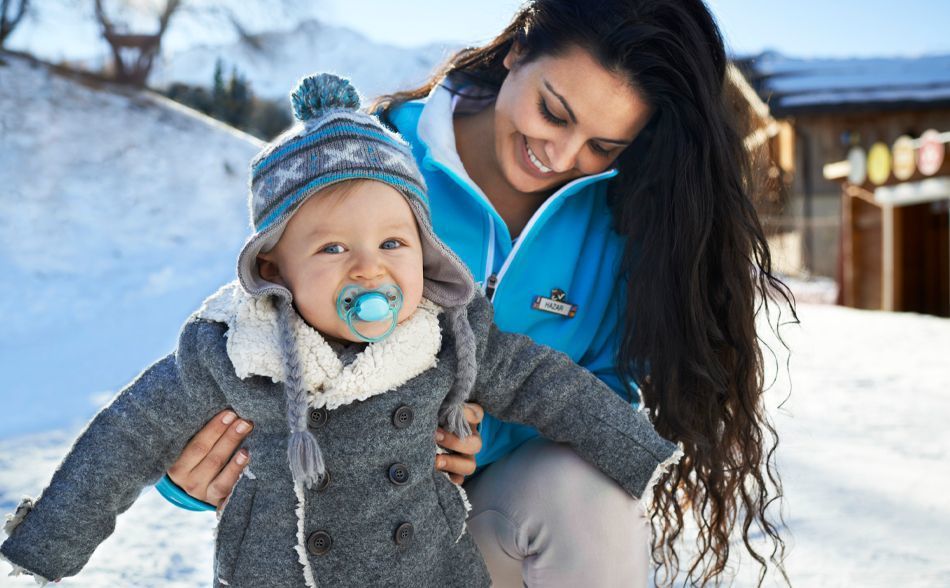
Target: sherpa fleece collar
(253,346)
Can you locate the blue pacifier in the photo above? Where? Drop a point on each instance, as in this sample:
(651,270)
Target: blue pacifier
(356,304)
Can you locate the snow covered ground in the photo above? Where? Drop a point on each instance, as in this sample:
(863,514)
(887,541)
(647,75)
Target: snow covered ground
(120,212)
(864,451)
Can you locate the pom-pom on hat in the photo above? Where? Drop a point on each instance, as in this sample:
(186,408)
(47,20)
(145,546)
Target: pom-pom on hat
(317,94)
(334,142)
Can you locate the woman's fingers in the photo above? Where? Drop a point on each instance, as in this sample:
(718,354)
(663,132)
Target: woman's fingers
(218,458)
(472,444)
(457,466)
(474,413)
(468,446)
(461,462)
(208,453)
(220,488)
(200,445)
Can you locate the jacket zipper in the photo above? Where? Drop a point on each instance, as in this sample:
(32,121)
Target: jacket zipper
(491,284)
(495,279)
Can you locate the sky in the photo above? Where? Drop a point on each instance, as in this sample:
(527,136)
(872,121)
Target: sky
(806,28)
(802,28)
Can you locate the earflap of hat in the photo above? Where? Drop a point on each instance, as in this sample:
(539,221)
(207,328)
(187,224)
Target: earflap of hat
(248,274)
(447,281)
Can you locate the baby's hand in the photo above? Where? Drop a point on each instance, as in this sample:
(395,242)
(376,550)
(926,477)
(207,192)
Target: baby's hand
(461,462)
(208,467)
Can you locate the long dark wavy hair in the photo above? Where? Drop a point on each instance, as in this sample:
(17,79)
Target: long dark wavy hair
(697,265)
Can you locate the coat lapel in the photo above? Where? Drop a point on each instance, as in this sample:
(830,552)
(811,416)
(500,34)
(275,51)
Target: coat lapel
(253,347)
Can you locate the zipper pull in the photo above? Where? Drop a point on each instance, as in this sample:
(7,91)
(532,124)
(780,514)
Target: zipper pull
(490,289)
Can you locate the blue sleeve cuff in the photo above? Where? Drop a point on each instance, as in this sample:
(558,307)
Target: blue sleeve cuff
(174,494)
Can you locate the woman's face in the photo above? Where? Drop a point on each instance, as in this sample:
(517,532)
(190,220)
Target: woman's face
(562,117)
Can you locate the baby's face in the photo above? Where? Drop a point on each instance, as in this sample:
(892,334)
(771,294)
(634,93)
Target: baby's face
(362,233)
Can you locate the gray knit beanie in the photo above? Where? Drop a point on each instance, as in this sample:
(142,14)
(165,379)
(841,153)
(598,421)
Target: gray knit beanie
(334,142)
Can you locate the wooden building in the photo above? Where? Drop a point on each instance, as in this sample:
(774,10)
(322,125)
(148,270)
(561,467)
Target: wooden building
(826,107)
(895,231)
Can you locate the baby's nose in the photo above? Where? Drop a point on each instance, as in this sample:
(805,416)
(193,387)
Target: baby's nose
(368,267)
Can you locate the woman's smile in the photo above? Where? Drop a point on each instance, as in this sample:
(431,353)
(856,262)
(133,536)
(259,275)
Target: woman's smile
(532,163)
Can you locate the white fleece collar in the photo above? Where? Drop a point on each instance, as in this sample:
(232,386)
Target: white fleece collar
(435,127)
(253,345)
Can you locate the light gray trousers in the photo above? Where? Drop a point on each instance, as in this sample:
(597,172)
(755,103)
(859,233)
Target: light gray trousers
(544,517)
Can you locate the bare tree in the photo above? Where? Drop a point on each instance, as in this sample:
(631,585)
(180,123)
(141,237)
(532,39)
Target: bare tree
(11,13)
(133,54)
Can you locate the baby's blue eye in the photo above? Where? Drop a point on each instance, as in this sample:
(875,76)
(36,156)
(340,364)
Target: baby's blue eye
(335,248)
(391,244)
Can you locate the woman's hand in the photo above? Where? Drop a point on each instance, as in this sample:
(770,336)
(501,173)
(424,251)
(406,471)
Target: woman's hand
(461,462)
(208,467)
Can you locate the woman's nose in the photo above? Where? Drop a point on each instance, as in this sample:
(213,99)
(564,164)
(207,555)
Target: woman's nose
(562,153)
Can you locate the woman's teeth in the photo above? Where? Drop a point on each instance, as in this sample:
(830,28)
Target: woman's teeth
(537,162)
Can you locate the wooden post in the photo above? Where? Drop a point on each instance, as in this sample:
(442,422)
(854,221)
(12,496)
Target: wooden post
(848,249)
(887,257)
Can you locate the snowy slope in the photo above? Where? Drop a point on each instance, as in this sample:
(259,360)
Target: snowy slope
(864,451)
(119,213)
(312,46)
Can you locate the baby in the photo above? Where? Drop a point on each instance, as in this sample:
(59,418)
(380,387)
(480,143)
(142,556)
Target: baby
(350,335)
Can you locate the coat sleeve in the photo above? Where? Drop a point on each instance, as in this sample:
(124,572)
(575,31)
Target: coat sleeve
(524,382)
(128,445)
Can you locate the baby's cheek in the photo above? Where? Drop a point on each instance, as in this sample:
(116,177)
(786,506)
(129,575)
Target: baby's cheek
(406,312)
(412,296)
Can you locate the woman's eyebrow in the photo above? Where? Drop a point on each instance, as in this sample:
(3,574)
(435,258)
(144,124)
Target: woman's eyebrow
(570,113)
(567,106)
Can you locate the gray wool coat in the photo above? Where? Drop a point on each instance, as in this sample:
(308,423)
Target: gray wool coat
(384,516)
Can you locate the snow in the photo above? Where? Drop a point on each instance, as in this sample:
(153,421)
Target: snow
(864,447)
(812,290)
(790,82)
(312,46)
(65,30)
(120,212)
(863,453)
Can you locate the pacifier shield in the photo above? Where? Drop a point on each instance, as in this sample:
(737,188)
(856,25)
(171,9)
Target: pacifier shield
(356,304)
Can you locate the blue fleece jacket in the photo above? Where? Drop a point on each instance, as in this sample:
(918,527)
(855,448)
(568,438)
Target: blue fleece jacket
(568,245)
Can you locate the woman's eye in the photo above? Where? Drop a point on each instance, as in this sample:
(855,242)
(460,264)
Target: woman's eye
(390,244)
(599,150)
(548,115)
(335,248)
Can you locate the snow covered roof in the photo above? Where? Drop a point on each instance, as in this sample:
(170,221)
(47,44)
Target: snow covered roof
(794,85)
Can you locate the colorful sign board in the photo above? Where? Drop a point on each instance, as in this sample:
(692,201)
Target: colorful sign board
(879,163)
(905,158)
(930,154)
(858,159)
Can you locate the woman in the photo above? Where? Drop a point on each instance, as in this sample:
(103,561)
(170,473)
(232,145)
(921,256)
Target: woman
(585,160)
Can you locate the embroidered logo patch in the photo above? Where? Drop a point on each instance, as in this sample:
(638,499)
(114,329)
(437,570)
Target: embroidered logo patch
(555,304)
